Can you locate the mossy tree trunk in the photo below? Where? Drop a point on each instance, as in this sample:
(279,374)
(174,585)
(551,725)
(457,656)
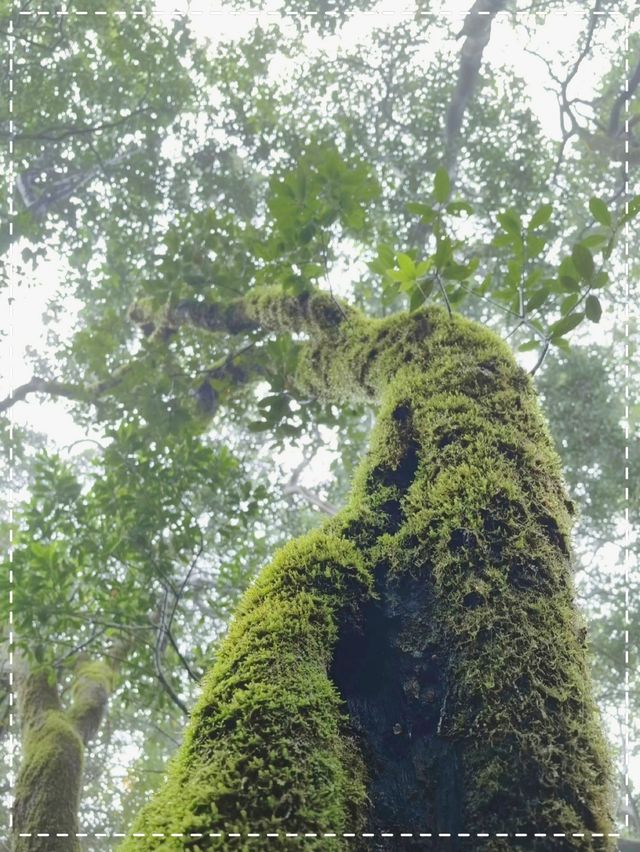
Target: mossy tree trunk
(47,795)
(418,664)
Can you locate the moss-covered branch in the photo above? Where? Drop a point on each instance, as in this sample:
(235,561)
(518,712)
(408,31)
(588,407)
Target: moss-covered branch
(419,663)
(92,685)
(347,356)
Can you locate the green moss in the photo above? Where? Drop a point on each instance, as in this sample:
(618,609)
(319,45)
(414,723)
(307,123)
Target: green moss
(451,561)
(92,685)
(484,525)
(48,784)
(267,746)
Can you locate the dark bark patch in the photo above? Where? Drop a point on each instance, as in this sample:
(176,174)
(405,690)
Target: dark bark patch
(472,600)
(550,527)
(392,510)
(402,476)
(462,540)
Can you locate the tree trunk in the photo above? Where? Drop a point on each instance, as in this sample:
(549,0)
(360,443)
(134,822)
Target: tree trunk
(47,796)
(418,664)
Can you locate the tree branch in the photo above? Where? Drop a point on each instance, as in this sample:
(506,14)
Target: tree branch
(48,386)
(625,95)
(293,486)
(90,393)
(51,136)
(477,29)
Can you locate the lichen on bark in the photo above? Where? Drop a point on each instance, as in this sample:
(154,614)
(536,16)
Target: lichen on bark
(418,664)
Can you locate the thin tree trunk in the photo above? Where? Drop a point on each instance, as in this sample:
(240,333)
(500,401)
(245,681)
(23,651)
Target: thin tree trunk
(47,796)
(48,784)
(418,664)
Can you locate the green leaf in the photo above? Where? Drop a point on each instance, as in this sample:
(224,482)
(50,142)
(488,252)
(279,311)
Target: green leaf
(441,186)
(535,245)
(529,345)
(510,221)
(537,300)
(420,209)
(633,208)
(583,261)
(443,253)
(313,270)
(568,304)
(600,279)
(457,207)
(406,265)
(416,299)
(568,267)
(595,240)
(599,211)
(565,325)
(457,271)
(568,283)
(501,240)
(541,216)
(593,308)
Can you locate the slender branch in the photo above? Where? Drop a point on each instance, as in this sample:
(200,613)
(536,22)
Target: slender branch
(194,677)
(477,29)
(625,95)
(80,647)
(500,307)
(157,654)
(311,497)
(541,357)
(443,291)
(90,393)
(50,135)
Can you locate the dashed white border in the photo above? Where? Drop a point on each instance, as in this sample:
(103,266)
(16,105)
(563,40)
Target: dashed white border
(626,545)
(11,274)
(370,834)
(627,365)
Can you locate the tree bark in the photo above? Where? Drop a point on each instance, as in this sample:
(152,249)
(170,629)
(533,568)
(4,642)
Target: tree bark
(418,664)
(48,784)
(47,796)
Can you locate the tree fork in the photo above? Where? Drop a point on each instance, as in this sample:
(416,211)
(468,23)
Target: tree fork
(418,664)
(48,784)
(49,780)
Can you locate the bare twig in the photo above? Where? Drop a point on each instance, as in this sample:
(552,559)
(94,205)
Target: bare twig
(541,357)
(51,135)
(161,638)
(293,486)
